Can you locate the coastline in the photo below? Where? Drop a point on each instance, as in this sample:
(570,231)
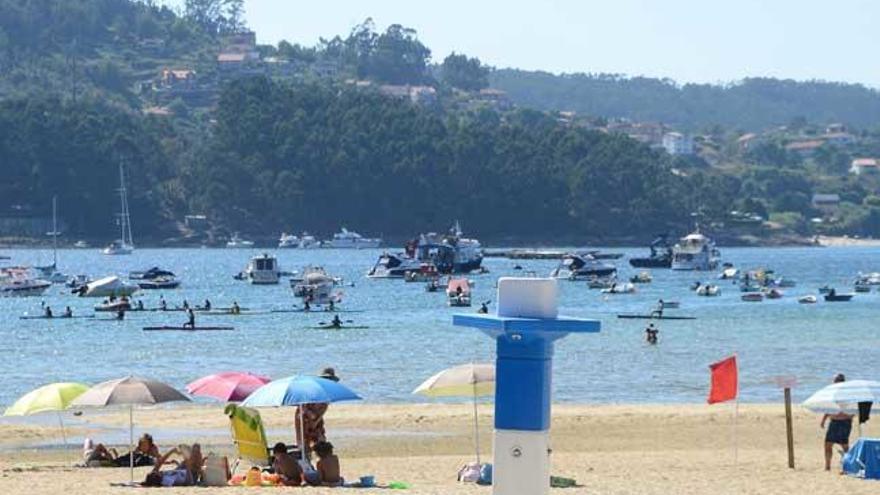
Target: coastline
(660,448)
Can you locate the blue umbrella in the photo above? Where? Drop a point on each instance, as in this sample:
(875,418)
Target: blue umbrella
(298,390)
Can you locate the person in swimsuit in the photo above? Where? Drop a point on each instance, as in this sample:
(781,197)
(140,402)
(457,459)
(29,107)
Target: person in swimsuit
(838,430)
(651,334)
(286,466)
(310,430)
(207,305)
(658,310)
(120,314)
(328,465)
(336,322)
(163,306)
(187,472)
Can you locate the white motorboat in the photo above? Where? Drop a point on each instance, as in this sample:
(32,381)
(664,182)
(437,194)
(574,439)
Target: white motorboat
(393,266)
(578,267)
(450,253)
(810,299)
(107,287)
(125,243)
(81,244)
(347,239)
(288,241)
(263,270)
(237,242)
(620,288)
(308,241)
(317,289)
(695,252)
(708,290)
(18,282)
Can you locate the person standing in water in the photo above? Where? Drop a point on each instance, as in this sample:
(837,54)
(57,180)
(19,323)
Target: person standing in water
(651,334)
(839,429)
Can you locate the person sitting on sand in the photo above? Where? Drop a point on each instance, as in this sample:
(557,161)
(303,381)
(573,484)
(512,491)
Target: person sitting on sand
(328,465)
(187,472)
(838,429)
(191,319)
(286,466)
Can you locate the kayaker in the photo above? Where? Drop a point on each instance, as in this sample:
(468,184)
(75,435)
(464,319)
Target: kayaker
(48,312)
(68,313)
(207,305)
(236,310)
(191,319)
(336,322)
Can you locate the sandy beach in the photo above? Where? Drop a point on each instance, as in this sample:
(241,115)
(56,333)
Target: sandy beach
(608,449)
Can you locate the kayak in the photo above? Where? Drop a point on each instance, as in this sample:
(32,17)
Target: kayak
(654,317)
(317,310)
(230,313)
(184,329)
(344,327)
(44,317)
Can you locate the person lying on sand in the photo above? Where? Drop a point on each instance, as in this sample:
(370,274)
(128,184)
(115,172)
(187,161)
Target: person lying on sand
(145,454)
(187,472)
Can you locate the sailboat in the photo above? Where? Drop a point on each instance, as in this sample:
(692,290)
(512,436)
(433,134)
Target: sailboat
(51,272)
(125,244)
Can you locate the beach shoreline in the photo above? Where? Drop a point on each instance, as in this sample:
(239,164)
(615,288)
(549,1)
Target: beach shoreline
(658,448)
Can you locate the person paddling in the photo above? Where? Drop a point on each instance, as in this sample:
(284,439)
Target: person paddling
(191,319)
(236,309)
(335,322)
(207,305)
(48,312)
(68,313)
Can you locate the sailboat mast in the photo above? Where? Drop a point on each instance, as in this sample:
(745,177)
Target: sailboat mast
(54,231)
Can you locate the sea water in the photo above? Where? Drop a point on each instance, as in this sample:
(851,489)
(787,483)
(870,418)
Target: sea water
(410,335)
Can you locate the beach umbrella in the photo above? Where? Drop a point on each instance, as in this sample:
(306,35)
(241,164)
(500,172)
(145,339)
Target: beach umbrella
(129,391)
(843,397)
(467,380)
(230,386)
(52,397)
(298,390)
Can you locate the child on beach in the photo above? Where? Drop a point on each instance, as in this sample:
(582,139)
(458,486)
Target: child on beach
(328,464)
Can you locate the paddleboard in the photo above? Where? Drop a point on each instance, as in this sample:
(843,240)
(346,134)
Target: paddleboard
(182,329)
(649,317)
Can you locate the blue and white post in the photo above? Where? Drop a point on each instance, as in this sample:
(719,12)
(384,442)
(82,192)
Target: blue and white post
(525,327)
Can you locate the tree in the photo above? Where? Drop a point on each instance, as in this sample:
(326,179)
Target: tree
(398,57)
(465,73)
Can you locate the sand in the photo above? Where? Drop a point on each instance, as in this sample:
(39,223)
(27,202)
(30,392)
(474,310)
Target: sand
(619,449)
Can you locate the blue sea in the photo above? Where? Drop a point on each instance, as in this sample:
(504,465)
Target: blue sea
(410,334)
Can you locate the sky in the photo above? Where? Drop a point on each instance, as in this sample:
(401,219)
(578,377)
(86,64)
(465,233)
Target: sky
(713,41)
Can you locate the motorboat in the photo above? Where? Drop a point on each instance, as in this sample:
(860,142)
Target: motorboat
(111,286)
(19,282)
(729,274)
(660,257)
(150,274)
(262,270)
(708,290)
(810,299)
(159,283)
(872,278)
(620,288)
(311,273)
(297,277)
(862,287)
(450,253)
(834,296)
(575,267)
(125,244)
(641,278)
(695,251)
(317,289)
(288,241)
(601,282)
(114,305)
(601,255)
(77,281)
(425,273)
(348,239)
(825,289)
(308,241)
(458,292)
(773,294)
(236,242)
(81,244)
(752,297)
(393,266)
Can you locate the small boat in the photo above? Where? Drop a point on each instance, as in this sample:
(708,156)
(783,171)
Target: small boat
(159,283)
(872,278)
(618,288)
(863,288)
(834,296)
(77,281)
(125,244)
(425,273)
(393,266)
(114,306)
(308,241)
(237,242)
(773,294)
(729,274)
(808,299)
(641,278)
(752,297)
(575,267)
(599,255)
(107,287)
(781,282)
(150,274)
(708,290)
(750,288)
(184,329)
(18,282)
(317,289)
(81,244)
(347,239)
(601,282)
(695,251)
(262,270)
(661,255)
(458,292)
(288,241)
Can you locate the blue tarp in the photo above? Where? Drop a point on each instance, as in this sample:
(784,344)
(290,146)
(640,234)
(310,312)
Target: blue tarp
(863,459)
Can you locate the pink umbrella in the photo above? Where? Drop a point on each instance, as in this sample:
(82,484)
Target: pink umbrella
(231,386)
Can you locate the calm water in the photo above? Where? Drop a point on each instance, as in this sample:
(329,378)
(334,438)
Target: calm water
(411,336)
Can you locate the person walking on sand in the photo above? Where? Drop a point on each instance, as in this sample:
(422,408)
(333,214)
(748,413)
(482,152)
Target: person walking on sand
(838,430)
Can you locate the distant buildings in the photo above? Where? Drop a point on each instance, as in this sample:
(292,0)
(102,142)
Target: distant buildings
(865,166)
(676,143)
(805,148)
(826,202)
(649,133)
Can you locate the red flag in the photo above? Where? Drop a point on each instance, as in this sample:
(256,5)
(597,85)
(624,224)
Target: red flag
(724,380)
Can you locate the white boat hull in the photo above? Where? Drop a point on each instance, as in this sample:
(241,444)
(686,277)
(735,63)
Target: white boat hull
(29,289)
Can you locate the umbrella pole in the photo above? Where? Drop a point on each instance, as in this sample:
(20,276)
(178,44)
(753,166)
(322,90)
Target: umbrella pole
(64,433)
(131,444)
(302,431)
(476,425)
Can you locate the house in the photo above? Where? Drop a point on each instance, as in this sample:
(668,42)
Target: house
(835,128)
(839,138)
(196,222)
(237,50)
(804,148)
(826,202)
(676,143)
(747,140)
(865,166)
(178,78)
(420,95)
(648,133)
(494,97)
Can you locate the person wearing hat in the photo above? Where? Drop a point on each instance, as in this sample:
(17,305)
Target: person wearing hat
(312,431)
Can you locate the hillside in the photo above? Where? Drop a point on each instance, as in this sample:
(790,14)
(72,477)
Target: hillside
(750,104)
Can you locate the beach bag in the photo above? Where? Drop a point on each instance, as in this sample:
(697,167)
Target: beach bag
(469,473)
(310,475)
(216,471)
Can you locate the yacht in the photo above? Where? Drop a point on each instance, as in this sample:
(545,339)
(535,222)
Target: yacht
(347,239)
(238,243)
(576,266)
(450,253)
(288,241)
(695,251)
(125,243)
(18,282)
(107,287)
(308,241)
(316,289)
(394,266)
(263,270)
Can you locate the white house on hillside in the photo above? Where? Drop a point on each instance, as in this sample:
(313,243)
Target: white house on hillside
(677,143)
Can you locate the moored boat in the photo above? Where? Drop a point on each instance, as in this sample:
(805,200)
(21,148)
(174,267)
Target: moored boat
(347,239)
(125,244)
(107,287)
(458,292)
(752,297)
(695,251)
(393,266)
(262,270)
(576,267)
(661,255)
(236,242)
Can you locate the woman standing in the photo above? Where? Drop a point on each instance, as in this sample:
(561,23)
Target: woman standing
(309,420)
